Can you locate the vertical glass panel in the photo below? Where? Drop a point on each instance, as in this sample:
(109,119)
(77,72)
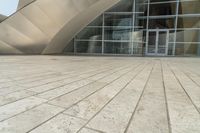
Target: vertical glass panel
(188,22)
(138,42)
(141,1)
(188,42)
(140,16)
(142,8)
(162,9)
(115,19)
(179,49)
(140,23)
(170,48)
(118,33)
(162,40)
(88,46)
(188,36)
(90,33)
(162,23)
(70,47)
(138,36)
(152,42)
(120,36)
(191,49)
(198,49)
(171,36)
(189,7)
(154,1)
(122,6)
(117,47)
(97,22)
(138,48)
(188,49)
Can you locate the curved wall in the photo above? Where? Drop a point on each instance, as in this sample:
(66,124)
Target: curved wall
(76,24)
(23,3)
(45,26)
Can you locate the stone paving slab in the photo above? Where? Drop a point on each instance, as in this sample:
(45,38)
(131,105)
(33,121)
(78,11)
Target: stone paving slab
(85,94)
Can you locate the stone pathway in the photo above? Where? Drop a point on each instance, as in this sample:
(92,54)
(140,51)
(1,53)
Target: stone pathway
(72,94)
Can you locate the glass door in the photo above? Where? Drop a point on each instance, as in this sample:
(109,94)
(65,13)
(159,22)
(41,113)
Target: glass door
(158,43)
(151,49)
(162,42)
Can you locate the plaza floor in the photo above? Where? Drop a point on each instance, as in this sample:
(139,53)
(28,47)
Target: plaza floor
(69,94)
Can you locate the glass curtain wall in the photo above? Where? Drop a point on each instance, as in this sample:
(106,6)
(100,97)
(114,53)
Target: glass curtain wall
(143,27)
(188,28)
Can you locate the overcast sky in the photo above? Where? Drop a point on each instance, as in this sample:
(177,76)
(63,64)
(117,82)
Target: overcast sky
(7,7)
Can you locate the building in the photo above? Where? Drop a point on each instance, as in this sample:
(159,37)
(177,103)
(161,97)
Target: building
(23,3)
(104,27)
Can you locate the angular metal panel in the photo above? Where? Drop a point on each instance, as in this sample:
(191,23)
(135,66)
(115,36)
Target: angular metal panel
(55,11)
(22,3)
(83,4)
(40,20)
(7,49)
(23,25)
(13,37)
(18,40)
(33,27)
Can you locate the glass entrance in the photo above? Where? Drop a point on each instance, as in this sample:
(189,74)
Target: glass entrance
(158,43)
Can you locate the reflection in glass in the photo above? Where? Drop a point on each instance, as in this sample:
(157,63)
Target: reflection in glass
(70,47)
(118,19)
(188,49)
(170,48)
(189,7)
(152,42)
(118,33)
(97,22)
(164,23)
(90,33)
(152,1)
(171,36)
(127,29)
(88,46)
(188,22)
(138,48)
(117,47)
(162,40)
(162,9)
(188,36)
(122,6)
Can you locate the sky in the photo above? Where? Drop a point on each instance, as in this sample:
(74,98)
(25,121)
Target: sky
(7,7)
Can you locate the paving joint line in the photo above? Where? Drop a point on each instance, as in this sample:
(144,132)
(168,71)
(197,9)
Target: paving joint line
(24,88)
(35,95)
(94,130)
(138,102)
(78,101)
(166,102)
(112,98)
(184,89)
